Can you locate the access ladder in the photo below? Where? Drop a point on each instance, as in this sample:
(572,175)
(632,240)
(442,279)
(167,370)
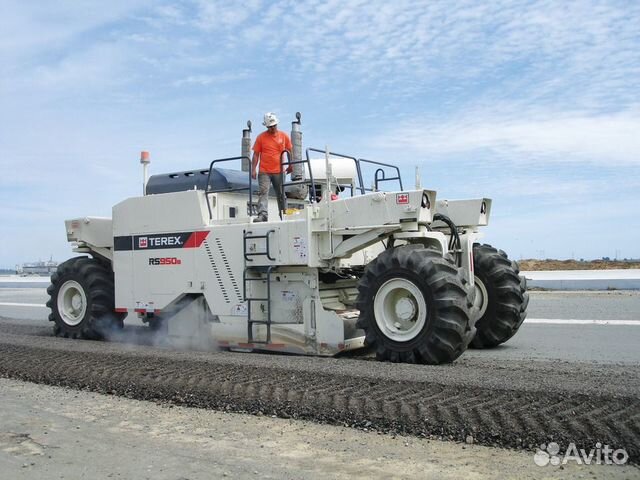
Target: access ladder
(253,273)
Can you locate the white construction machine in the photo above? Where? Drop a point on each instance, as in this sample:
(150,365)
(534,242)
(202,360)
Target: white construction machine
(343,267)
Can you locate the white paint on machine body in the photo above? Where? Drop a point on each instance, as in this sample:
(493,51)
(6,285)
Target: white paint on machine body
(185,254)
(165,247)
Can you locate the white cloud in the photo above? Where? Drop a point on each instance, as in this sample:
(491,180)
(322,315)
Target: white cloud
(33,27)
(509,48)
(523,137)
(216,15)
(205,80)
(95,68)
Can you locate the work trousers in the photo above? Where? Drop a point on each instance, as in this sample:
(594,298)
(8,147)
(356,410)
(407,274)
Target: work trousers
(264,180)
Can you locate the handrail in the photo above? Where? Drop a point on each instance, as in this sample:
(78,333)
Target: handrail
(283,173)
(207,192)
(311,182)
(379,176)
(383,178)
(359,172)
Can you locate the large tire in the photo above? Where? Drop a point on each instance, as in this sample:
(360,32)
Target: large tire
(414,307)
(501,296)
(82,300)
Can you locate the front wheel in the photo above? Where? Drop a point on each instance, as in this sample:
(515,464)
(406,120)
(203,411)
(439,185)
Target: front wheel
(501,297)
(414,307)
(82,299)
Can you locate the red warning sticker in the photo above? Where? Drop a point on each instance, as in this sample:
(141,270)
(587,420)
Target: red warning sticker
(402,198)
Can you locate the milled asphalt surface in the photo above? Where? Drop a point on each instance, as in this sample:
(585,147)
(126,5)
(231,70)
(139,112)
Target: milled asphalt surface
(512,396)
(47,432)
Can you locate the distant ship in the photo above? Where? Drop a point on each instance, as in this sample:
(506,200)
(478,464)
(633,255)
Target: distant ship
(37,268)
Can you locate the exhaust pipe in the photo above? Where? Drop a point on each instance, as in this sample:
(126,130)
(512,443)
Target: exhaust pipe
(245,149)
(298,171)
(296,143)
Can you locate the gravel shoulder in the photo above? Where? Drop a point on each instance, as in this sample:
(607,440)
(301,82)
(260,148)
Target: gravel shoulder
(51,432)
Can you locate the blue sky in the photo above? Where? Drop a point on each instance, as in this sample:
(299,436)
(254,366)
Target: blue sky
(533,104)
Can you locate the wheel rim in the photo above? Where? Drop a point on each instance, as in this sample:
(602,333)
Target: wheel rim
(481,299)
(72,303)
(400,310)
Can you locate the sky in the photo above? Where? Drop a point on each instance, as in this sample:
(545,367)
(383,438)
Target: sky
(535,105)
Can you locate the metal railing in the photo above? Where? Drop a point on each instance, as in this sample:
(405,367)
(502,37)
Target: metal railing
(379,176)
(381,171)
(334,154)
(310,181)
(209,191)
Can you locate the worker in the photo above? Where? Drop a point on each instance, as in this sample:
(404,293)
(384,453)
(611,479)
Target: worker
(267,151)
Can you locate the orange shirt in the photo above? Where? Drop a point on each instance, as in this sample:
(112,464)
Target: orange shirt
(270,147)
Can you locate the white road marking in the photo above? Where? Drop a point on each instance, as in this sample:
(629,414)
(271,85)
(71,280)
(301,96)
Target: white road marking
(9,304)
(545,321)
(579,321)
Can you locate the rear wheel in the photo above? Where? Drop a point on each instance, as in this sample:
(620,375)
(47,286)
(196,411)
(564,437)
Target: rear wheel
(414,307)
(82,299)
(501,297)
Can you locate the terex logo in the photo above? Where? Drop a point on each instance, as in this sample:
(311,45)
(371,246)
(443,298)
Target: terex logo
(165,241)
(164,261)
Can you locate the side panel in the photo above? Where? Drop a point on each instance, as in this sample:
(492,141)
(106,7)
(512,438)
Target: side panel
(123,277)
(154,239)
(218,268)
(154,269)
(162,275)
(168,212)
(466,213)
(94,231)
(288,243)
(381,208)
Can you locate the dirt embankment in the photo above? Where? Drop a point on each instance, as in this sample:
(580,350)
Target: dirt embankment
(549,264)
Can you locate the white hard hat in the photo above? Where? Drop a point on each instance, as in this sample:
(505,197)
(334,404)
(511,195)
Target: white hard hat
(270,119)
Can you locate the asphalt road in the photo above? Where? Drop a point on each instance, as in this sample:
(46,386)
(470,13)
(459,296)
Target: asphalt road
(572,342)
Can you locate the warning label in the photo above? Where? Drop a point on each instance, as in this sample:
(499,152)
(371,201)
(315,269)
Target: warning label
(300,248)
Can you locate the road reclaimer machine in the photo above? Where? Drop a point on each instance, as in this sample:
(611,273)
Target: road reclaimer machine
(344,266)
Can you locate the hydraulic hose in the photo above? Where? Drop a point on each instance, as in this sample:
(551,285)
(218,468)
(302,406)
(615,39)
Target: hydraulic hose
(454,243)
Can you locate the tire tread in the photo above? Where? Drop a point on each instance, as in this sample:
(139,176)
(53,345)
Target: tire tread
(97,280)
(508,297)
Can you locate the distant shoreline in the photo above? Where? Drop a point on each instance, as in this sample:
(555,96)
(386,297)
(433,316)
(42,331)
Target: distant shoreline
(533,265)
(526,265)
(18,275)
